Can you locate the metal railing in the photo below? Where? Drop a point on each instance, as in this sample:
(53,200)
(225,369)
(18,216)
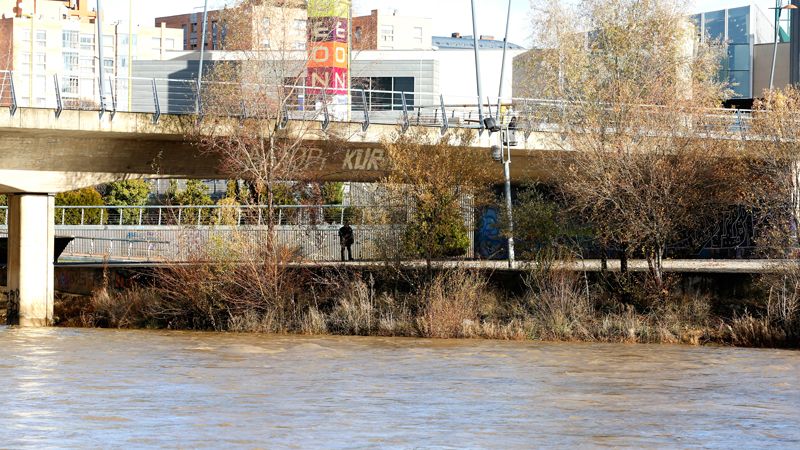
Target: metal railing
(127,248)
(223,215)
(159,96)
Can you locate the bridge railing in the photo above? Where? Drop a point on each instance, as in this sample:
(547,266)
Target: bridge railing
(223,215)
(159,96)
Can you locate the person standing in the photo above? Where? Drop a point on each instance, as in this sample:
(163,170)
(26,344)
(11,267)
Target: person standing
(346,240)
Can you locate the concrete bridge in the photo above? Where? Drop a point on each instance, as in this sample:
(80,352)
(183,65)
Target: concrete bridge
(46,151)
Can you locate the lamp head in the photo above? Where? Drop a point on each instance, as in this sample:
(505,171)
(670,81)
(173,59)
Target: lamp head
(497,153)
(490,124)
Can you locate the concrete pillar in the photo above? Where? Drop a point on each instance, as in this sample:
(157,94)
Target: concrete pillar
(30,259)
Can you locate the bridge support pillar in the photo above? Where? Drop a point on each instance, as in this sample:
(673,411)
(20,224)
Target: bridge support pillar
(30,259)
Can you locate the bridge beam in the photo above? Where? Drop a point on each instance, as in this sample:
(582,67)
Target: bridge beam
(30,259)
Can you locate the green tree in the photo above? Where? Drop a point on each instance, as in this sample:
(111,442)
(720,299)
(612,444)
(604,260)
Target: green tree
(434,175)
(127,193)
(81,197)
(437,230)
(195,194)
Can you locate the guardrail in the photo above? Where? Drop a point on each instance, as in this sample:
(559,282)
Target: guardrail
(97,246)
(158,96)
(223,215)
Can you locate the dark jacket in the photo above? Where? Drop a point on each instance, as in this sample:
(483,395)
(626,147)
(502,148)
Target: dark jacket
(346,235)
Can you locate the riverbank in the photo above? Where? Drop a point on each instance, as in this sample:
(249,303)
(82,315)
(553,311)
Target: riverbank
(549,305)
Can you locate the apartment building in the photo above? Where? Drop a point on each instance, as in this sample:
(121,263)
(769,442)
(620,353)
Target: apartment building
(390,31)
(263,27)
(44,42)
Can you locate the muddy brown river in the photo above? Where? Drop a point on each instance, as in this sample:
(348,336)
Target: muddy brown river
(98,388)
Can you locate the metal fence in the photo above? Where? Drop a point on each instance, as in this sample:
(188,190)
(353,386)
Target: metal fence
(230,215)
(173,243)
(175,233)
(159,96)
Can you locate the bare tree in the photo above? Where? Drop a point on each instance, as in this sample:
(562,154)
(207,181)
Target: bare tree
(775,133)
(262,86)
(648,159)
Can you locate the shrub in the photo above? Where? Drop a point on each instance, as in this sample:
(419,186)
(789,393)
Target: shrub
(81,197)
(127,193)
(436,233)
(450,303)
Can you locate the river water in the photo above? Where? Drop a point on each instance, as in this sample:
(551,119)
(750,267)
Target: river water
(101,388)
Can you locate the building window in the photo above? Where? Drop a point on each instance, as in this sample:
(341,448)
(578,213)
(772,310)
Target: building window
(300,45)
(715,25)
(739,25)
(387,33)
(71,61)
(40,88)
(69,85)
(41,38)
(300,25)
(378,101)
(70,39)
(87,65)
(417,35)
(357,34)
(87,42)
(170,44)
(156,43)
(40,63)
(25,63)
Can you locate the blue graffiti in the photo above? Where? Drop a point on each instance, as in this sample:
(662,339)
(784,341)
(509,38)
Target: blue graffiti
(489,240)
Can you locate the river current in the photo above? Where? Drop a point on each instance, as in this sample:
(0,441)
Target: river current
(105,388)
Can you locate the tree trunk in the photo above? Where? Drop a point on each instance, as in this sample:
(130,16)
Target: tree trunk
(795,199)
(603,259)
(623,259)
(655,262)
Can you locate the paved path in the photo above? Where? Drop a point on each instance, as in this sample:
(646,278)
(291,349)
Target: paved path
(590,265)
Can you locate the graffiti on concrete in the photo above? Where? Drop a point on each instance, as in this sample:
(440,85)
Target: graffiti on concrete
(490,242)
(364,159)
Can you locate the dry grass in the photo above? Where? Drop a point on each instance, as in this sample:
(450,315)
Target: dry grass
(451,303)
(557,306)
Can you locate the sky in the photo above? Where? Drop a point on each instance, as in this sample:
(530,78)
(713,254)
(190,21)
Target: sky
(448,15)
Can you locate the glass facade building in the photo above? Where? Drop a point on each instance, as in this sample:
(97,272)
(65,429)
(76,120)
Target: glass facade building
(732,26)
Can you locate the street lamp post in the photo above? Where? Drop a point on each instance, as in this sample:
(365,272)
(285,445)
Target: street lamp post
(100,66)
(502,153)
(476,43)
(778,10)
(202,56)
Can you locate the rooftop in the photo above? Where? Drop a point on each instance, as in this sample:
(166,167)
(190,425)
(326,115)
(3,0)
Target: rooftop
(459,42)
